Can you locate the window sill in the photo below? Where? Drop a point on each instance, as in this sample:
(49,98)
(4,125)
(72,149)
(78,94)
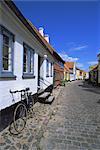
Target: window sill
(47,76)
(28,76)
(6,78)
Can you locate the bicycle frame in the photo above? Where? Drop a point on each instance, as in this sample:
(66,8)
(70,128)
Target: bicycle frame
(24,95)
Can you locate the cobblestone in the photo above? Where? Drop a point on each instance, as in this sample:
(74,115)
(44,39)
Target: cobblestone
(30,137)
(72,122)
(76,123)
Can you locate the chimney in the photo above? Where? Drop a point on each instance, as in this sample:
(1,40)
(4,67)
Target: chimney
(46,36)
(41,31)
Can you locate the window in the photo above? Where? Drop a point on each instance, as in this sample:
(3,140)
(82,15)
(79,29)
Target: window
(6,53)
(28,62)
(25,64)
(47,68)
(7,60)
(51,69)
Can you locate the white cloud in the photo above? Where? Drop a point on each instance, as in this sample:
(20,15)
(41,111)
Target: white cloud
(68,58)
(92,62)
(78,48)
(80,65)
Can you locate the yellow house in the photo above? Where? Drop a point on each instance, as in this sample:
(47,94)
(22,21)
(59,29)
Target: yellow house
(81,74)
(69,71)
(66,73)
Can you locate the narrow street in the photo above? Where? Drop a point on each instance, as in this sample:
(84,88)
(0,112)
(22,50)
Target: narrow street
(74,123)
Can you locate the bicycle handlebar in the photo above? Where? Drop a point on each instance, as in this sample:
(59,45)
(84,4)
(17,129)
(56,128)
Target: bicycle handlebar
(23,90)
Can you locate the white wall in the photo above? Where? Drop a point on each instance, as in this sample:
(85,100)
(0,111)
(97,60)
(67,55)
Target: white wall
(73,75)
(11,22)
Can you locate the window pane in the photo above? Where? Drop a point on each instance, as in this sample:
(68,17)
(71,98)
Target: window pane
(47,68)
(51,69)
(25,67)
(31,61)
(5,39)
(5,64)
(7,49)
(6,52)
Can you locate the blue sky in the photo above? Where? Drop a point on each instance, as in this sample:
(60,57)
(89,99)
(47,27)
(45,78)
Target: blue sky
(73,27)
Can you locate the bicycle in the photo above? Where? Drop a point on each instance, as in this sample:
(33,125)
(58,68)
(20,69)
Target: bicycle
(22,110)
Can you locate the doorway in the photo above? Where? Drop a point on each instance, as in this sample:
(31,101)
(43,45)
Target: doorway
(40,70)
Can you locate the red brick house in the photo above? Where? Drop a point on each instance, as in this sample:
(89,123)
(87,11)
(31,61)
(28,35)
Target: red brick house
(58,69)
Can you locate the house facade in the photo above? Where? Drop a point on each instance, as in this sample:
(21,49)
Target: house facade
(26,58)
(93,74)
(58,70)
(81,74)
(99,69)
(66,73)
(71,67)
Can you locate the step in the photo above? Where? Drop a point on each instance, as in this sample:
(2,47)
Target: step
(40,91)
(44,95)
(50,99)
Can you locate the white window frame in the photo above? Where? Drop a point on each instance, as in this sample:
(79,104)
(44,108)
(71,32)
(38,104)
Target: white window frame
(29,62)
(47,68)
(9,72)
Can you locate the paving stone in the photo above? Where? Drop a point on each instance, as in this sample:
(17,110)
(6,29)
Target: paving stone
(25,147)
(7,147)
(96,146)
(86,145)
(76,143)
(30,138)
(8,141)
(73,125)
(18,145)
(12,148)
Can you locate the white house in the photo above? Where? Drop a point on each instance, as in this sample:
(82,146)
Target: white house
(26,58)
(71,66)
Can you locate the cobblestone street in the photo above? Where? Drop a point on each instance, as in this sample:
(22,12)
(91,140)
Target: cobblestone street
(72,122)
(76,125)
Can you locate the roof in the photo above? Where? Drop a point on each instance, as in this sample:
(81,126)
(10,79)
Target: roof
(66,68)
(93,67)
(32,29)
(79,69)
(57,68)
(58,57)
(70,65)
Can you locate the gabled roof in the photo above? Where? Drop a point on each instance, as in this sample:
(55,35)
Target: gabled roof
(32,29)
(48,45)
(93,67)
(70,65)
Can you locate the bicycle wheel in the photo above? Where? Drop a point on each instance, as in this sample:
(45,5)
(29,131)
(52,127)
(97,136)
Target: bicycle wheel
(20,117)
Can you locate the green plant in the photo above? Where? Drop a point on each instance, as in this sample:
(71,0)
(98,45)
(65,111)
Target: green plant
(63,82)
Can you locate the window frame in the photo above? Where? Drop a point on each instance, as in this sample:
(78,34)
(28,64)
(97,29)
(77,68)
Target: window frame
(28,74)
(6,74)
(51,69)
(47,68)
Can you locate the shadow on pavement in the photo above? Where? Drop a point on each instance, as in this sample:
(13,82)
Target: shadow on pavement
(89,87)
(6,117)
